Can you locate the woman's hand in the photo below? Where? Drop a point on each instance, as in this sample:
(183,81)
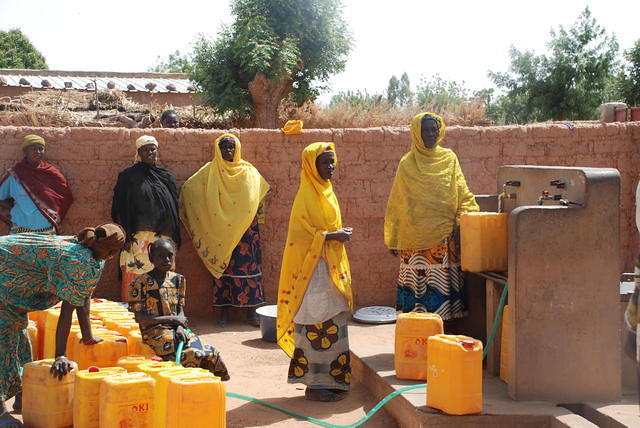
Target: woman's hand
(181,335)
(91,340)
(340,235)
(393,252)
(60,367)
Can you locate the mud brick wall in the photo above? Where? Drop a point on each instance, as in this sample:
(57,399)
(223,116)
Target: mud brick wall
(92,157)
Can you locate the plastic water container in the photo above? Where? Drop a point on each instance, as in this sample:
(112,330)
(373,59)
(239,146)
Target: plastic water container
(103,354)
(153,367)
(454,379)
(504,346)
(137,346)
(51,318)
(196,402)
(484,241)
(32,329)
(162,383)
(127,401)
(46,401)
(130,362)
(122,326)
(86,402)
(412,332)
(268,315)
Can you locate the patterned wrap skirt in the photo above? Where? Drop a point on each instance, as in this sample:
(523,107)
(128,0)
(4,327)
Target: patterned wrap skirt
(15,351)
(241,283)
(321,358)
(162,339)
(431,281)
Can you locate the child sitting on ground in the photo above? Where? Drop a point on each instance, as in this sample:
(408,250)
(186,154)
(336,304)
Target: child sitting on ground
(157,299)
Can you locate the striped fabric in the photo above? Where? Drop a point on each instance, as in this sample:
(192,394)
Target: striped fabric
(431,281)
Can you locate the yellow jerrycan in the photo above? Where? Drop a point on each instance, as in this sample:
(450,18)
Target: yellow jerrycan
(162,382)
(127,401)
(413,329)
(130,362)
(46,401)
(196,402)
(86,402)
(32,329)
(137,346)
(454,379)
(103,354)
(484,241)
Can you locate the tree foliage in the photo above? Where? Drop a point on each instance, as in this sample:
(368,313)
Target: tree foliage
(399,93)
(568,84)
(629,77)
(438,94)
(16,51)
(174,63)
(356,99)
(272,49)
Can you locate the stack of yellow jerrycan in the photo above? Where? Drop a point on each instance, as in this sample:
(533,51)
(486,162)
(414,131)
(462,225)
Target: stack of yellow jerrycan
(484,241)
(103,354)
(126,400)
(454,379)
(413,329)
(86,401)
(47,402)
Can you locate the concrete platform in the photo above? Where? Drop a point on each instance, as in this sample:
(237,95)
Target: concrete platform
(372,348)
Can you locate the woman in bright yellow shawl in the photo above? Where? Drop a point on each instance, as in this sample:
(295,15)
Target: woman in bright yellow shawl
(428,196)
(220,205)
(314,296)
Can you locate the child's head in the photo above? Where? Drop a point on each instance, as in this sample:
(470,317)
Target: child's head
(161,254)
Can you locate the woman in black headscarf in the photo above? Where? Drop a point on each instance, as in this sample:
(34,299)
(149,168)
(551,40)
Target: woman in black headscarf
(145,203)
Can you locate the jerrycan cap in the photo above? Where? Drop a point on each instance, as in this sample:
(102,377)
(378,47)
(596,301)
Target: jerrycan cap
(93,369)
(156,358)
(468,344)
(121,339)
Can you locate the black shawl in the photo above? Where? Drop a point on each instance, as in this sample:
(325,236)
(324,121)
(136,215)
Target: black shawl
(146,198)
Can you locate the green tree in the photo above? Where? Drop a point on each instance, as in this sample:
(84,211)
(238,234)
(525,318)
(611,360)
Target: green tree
(393,91)
(273,49)
(356,99)
(16,51)
(629,79)
(405,97)
(438,94)
(174,63)
(568,84)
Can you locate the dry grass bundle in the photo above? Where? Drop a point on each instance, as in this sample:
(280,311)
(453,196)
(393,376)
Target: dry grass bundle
(471,113)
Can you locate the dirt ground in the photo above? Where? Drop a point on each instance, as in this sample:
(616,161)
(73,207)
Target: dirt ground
(258,369)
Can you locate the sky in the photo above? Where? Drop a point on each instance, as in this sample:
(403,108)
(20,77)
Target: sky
(459,40)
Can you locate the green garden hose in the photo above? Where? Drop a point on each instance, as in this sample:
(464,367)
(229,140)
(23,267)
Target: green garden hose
(370,413)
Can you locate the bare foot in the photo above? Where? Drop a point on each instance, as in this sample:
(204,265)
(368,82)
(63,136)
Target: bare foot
(253,318)
(224,316)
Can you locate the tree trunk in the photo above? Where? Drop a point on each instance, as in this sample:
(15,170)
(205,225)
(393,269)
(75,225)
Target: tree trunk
(266,96)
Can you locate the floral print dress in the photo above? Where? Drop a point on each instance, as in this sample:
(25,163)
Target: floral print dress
(146,295)
(37,272)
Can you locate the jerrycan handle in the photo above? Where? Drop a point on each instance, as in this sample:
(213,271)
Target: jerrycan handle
(180,346)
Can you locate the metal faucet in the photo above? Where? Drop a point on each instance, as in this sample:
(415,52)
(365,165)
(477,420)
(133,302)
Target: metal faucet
(505,195)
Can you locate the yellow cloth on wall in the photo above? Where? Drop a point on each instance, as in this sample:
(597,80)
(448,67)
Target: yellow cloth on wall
(292,127)
(218,204)
(315,212)
(428,196)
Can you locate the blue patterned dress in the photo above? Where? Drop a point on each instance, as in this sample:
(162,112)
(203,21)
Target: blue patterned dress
(37,272)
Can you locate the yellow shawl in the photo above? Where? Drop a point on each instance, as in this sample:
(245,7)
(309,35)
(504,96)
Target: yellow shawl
(315,212)
(218,204)
(428,196)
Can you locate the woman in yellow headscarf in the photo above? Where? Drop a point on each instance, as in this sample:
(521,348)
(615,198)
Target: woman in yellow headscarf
(220,205)
(314,296)
(428,196)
